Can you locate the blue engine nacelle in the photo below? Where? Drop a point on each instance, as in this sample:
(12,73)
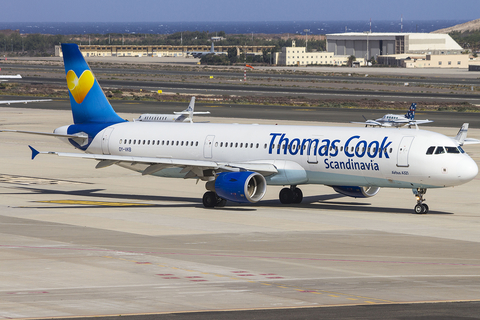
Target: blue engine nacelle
(243,186)
(357,192)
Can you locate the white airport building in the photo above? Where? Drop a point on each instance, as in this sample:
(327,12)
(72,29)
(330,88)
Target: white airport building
(409,50)
(298,56)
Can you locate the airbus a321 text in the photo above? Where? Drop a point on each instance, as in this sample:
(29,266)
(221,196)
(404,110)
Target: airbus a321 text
(237,161)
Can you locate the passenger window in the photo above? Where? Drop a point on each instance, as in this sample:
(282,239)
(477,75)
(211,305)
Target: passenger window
(236,144)
(265,146)
(257,145)
(430,150)
(196,144)
(439,150)
(251,145)
(452,150)
(241,145)
(120,142)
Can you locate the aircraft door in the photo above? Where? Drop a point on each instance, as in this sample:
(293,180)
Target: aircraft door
(403,151)
(312,153)
(207,147)
(105,139)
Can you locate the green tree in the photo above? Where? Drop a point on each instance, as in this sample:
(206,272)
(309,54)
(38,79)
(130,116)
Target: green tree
(232,55)
(350,60)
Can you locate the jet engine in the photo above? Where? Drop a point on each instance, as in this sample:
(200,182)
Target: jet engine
(357,192)
(242,187)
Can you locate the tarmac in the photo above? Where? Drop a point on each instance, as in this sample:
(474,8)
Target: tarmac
(80,241)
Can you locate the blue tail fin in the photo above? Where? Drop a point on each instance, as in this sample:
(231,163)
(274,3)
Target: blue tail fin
(410,115)
(88,102)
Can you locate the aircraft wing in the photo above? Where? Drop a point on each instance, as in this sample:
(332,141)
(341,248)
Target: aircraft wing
(22,101)
(420,121)
(193,168)
(188,113)
(7,76)
(369,123)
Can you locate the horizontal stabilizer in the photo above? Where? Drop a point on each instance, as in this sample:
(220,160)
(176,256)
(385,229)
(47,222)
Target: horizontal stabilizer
(58,135)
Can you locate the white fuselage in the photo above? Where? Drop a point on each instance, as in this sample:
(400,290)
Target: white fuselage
(392,120)
(336,156)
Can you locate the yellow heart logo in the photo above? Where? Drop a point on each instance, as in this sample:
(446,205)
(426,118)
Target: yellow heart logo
(79,88)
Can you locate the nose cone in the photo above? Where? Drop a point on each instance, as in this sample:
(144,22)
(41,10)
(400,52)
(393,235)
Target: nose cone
(467,169)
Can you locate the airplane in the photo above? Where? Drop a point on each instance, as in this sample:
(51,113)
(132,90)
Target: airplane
(396,120)
(7,77)
(178,116)
(238,161)
(199,54)
(9,102)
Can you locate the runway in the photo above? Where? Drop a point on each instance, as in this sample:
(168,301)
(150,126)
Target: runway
(76,241)
(240,89)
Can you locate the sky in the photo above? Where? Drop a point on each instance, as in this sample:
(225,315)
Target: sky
(225,10)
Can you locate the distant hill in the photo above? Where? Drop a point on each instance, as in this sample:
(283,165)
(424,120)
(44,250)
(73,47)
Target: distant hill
(467,26)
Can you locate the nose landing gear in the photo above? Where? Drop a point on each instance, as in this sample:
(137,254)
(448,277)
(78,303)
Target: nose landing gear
(420,207)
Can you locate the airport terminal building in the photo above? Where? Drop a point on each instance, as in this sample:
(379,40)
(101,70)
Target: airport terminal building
(156,50)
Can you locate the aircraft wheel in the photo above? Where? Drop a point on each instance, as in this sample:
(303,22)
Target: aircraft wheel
(209,199)
(419,209)
(286,196)
(425,208)
(297,195)
(221,202)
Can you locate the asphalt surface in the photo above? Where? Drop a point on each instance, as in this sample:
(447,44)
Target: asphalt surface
(423,275)
(220,89)
(264,75)
(273,112)
(421,311)
(88,242)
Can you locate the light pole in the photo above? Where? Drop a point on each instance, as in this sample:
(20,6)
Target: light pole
(368,53)
(306,40)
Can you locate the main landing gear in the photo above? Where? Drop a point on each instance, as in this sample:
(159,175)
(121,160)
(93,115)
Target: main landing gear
(420,207)
(290,195)
(211,199)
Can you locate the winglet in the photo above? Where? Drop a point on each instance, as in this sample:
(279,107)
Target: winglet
(34,152)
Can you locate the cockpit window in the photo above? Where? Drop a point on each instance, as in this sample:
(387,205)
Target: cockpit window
(452,150)
(439,150)
(430,150)
(461,150)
